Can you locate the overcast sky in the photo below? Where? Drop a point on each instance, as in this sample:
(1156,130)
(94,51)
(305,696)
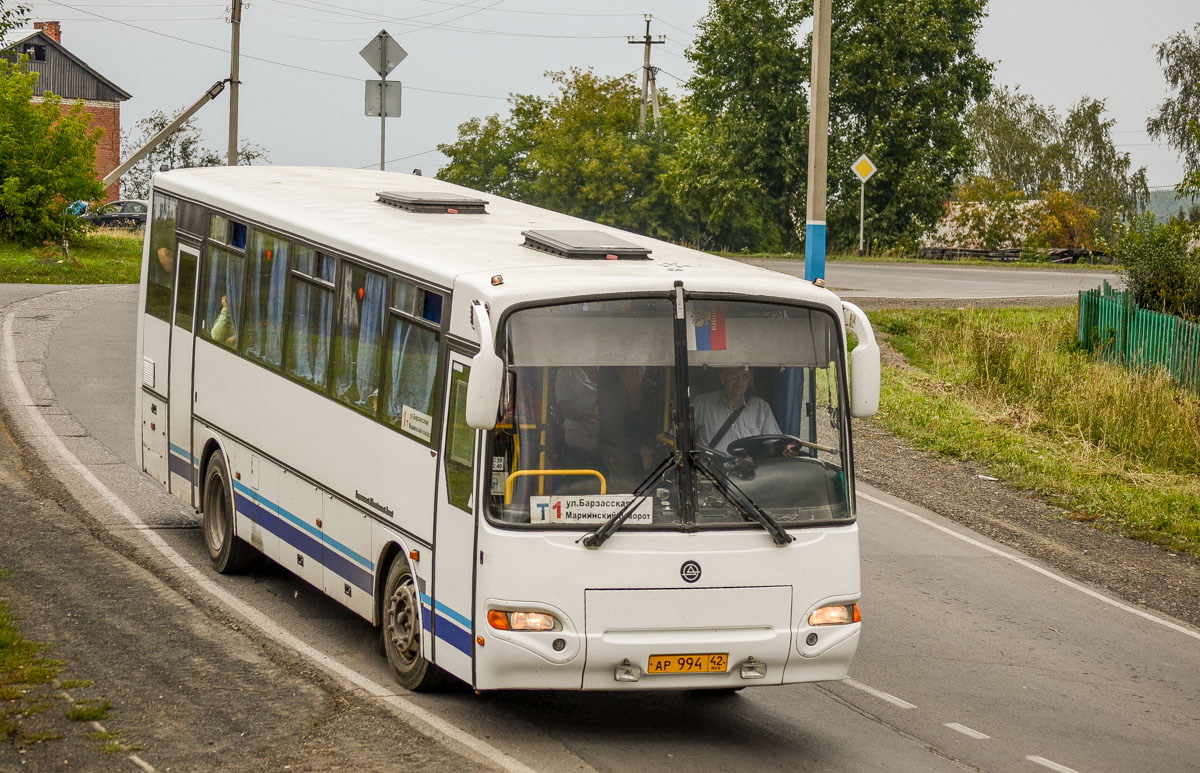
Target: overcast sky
(302,93)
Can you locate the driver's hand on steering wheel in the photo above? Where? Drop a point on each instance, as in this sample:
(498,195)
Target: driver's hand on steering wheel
(790,450)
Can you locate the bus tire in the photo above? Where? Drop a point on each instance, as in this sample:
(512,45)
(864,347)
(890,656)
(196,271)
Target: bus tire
(401,632)
(229,554)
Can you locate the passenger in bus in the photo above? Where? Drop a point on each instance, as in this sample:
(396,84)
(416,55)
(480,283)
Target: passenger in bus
(222,330)
(630,420)
(575,403)
(728,414)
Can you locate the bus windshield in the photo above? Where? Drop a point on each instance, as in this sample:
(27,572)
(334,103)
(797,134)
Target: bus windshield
(591,412)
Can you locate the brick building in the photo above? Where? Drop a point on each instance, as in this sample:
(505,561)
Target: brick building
(66,75)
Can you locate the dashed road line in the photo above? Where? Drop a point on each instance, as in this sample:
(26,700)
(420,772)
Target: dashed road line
(46,436)
(968,732)
(880,694)
(1034,567)
(1051,764)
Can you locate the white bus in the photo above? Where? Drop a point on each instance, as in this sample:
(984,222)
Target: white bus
(536,452)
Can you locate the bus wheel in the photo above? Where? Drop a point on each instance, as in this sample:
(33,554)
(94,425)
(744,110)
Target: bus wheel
(401,631)
(229,554)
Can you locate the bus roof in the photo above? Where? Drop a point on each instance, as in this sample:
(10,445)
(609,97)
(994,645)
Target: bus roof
(339,209)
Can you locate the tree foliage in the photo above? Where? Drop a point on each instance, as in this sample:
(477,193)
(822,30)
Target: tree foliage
(47,159)
(12,16)
(1178,117)
(578,151)
(902,76)
(749,132)
(181,149)
(1028,144)
(1161,267)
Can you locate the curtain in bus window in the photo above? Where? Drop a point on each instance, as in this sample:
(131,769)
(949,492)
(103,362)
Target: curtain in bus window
(161,273)
(312,320)
(364,296)
(222,283)
(267,275)
(412,364)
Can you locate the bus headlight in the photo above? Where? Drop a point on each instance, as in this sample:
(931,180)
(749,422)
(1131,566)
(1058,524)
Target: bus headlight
(522,621)
(838,614)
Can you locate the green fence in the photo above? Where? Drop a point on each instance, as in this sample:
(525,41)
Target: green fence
(1115,328)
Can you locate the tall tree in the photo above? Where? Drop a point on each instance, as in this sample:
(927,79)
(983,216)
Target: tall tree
(750,85)
(47,159)
(578,151)
(181,149)
(1178,117)
(902,75)
(1031,147)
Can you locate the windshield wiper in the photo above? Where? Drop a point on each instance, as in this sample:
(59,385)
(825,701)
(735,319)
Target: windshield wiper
(743,503)
(598,537)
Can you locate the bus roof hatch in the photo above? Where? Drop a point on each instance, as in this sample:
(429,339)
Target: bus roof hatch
(585,245)
(435,203)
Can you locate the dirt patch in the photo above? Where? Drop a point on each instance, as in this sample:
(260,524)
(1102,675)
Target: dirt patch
(186,688)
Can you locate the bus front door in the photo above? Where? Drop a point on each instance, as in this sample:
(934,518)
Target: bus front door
(452,611)
(180,462)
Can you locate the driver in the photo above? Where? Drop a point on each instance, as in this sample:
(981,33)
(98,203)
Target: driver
(727,414)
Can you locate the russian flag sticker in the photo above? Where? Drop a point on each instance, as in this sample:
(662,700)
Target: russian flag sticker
(706,331)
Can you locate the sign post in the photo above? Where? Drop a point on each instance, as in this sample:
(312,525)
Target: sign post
(863,169)
(383,53)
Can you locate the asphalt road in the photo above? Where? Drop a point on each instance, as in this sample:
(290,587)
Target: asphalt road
(971,658)
(910,280)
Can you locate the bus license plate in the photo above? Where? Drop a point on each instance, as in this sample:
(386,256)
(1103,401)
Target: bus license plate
(707,663)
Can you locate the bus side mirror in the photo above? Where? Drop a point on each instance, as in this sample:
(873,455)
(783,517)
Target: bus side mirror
(487,374)
(864,364)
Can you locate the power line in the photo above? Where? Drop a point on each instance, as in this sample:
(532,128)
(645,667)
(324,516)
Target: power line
(402,158)
(267,61)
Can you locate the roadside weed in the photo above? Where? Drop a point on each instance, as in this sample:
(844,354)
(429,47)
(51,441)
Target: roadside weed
(1008,388)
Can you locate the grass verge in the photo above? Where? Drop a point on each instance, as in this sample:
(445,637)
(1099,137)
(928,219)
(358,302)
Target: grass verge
(25,678)
(1009,389)
(101,256)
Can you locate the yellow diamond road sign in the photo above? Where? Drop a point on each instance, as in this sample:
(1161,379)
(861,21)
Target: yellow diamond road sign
(863,168)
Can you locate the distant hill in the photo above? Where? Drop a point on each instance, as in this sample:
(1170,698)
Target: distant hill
(1165,204)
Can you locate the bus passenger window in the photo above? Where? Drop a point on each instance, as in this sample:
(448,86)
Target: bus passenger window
(460,443)
(311,325)
(221,284)
(266,279)
(162,258)
(411,369)
(187,291)
(357,346)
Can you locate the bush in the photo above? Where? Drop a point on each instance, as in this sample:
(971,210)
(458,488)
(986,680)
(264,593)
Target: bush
(47,160)
(1162,265)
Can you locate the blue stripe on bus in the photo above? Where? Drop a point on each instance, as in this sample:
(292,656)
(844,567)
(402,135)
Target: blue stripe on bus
(303,542)
(455,636)
(312,530)
(184,453)
(447,630)
(179,466)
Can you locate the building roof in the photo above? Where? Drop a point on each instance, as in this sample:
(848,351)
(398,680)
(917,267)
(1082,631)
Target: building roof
(14,38)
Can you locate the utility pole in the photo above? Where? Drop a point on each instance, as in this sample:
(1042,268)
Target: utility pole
(647,41)
(654,93)
(235,18)
(818,143)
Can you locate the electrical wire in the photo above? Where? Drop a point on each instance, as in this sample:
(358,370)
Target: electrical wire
(267,61)
(402,158)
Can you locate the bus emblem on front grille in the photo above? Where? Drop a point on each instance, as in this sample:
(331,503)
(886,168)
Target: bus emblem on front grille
(690,571)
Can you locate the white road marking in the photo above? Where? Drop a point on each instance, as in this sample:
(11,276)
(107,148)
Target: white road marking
(99,728)
(880,694)
(1034,567)
(1045,763)
(46,436)
(968,732)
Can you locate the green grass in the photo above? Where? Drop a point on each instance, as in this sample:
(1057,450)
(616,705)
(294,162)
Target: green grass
(24,677)
(88,711)
(1008,388)
(105,256)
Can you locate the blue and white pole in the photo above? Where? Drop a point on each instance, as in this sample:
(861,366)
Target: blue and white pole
(814,250)
(818,144)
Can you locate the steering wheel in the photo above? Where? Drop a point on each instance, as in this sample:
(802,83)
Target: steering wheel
(763,446)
